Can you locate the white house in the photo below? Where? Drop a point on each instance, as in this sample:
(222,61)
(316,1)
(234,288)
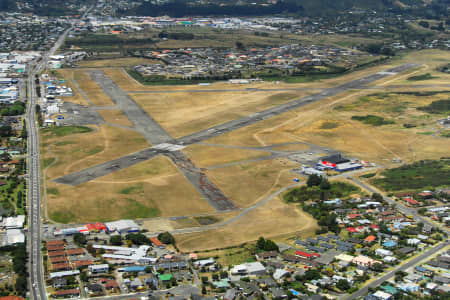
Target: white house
(254,268)
(98,268)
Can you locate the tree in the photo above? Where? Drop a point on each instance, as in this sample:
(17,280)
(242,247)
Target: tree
(166,238)
(84,277)
(79,239)
(313,180)
(260,243)
(343,285)
(325,187)
(377,197)
(311,275)
(116,240)
(270,246)
(138,239)
(240,45)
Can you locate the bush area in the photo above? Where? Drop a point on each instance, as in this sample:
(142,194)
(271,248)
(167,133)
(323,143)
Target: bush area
(419,175)
(19,254)
(13,196)
(318,188)
(373,120)
(66,130)
(437,107)
(426,76)
(16,109)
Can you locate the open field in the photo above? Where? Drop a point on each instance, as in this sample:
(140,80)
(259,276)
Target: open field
(74,152)
(205,156)
(185,113)
(146,190)
(115,116)
(248,183)
(274,218)
(115,62)
(92,90)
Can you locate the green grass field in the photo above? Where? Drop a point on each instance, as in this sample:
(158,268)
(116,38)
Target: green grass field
(423,174)
(61,131)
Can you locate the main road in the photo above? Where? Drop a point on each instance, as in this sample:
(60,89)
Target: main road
(37,285)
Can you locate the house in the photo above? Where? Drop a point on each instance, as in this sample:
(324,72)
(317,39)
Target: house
(390,244)
(389,259)
(415,278)
(204,262)
(411,201)
(279,273)
(312,288)
(383,252)
(157,243)
(266,255)
(94,269)
(59,283)
(95,288)
(254,268)
(66,293)
(406,250)
(230,294)
(370,239)
(112,285)
(413,242)
(83,263)
(165,277)
(75,252)
(306,255)
(423,271)
(362,260)
(136,284)
(380,295)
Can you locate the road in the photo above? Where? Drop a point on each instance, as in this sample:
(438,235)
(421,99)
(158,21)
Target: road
(36,284)
(391,274)
(203,135)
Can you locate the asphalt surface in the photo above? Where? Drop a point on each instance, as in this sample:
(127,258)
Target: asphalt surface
(391,274)
(124,162)
(141,120)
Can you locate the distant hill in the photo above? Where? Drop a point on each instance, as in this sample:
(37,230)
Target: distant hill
(178,8)
(6,5)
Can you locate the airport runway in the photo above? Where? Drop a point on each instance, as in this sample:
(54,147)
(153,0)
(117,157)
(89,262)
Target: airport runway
(156,135)
(126,161)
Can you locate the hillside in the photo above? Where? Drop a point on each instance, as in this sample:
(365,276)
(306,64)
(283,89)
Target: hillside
(177,8)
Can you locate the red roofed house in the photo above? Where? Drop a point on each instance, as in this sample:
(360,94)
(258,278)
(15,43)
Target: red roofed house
(306,254)
(370,239)
(65,293)
(353,216)
(83,263)
(11,298)
(76,251)
(61,267)
(411,201)
(352,229)
(156,242)
(374,227)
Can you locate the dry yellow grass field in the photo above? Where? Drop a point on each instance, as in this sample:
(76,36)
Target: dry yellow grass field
(272,219)
(115,63)
(205,156)
(185,113)
(149,189)
(92,90)
(78,151)
(115,116)
(249,183)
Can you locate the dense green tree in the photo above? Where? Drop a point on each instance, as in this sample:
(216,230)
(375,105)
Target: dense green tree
(79,239)
(166,238)
(116,240)
(313,180)
(343,285)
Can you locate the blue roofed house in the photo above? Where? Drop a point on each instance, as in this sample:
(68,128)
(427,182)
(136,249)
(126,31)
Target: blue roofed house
(390,244)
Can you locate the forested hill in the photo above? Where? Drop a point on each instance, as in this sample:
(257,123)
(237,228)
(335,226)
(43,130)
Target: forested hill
(178,8)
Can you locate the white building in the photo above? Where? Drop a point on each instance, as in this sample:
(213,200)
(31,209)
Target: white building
(98,268)
(14,222)
(254,268)
(122,226)
(383,252)
(14,236)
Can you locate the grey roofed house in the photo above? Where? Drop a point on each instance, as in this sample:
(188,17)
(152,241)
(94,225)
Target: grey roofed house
(300,242)
(354,241)
(278,293)
(280,273)
(327,246)
(323,238)
(443,258)
(441,279)
(230,294)
(406,250)
(345,244)
(332,236)
(151,281)
(311,241)
(95,288)
(275,264)
(267,281)
(343,248)
(316,249)
(136,283)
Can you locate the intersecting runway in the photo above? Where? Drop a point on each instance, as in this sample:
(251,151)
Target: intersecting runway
(157,135)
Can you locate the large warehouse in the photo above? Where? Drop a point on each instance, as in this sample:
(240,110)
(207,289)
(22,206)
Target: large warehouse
(338,163)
